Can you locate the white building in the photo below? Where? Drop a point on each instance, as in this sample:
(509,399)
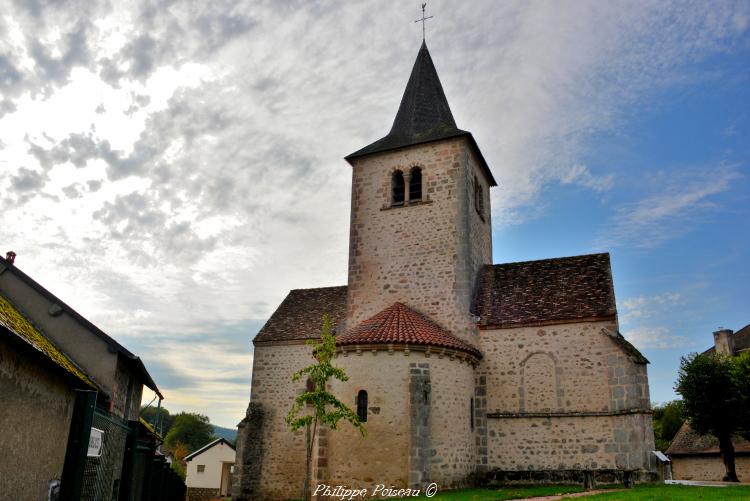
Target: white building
(209,471)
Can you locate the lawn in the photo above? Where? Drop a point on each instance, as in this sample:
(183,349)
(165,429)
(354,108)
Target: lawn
(641,492)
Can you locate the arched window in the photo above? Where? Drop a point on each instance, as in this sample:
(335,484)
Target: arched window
(478,197)
(362,405)
(397,187)
(415,184)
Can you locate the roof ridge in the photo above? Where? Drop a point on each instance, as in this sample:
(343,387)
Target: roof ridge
(550,259)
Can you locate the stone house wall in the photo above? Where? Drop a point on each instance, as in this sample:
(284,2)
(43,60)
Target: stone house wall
(564,396)
(36,409)
(708,467)
(425,255)
(283,467)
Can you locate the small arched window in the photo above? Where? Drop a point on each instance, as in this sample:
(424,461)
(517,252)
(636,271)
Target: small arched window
(415,184)
(478,198)
(362,405)
(397,187)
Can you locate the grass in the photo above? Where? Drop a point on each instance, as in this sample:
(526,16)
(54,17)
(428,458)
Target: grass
(640,493)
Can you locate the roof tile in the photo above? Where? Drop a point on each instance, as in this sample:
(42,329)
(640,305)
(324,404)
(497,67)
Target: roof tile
(300,315)
(399,324)
(561,289)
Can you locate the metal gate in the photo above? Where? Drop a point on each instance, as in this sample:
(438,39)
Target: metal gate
(102,473)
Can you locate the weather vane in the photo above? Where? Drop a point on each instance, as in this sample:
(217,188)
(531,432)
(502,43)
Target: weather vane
(423,20)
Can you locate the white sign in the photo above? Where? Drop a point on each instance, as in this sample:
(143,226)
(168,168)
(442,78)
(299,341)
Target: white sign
(96,439)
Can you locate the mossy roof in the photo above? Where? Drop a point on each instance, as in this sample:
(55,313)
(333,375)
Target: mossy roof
(16,323)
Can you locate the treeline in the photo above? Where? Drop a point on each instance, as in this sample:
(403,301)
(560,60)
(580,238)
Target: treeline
(183,433)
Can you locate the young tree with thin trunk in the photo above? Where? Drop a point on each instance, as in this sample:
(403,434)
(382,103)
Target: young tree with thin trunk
(321,407)
(714,391)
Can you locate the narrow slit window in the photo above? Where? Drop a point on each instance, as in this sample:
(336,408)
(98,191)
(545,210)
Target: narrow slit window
(397,185)
(478,198)
(415,185)
(362,405)
(471,413)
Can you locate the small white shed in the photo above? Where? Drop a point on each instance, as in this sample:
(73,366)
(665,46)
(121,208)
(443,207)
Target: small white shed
(209,470)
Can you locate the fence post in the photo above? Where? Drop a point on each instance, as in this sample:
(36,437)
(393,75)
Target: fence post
(78,443)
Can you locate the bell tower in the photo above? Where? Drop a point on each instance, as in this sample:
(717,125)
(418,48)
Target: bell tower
(420,214)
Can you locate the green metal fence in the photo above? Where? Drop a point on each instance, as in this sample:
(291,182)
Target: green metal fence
(102,474)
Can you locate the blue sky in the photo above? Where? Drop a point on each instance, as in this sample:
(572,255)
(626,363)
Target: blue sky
(172,169)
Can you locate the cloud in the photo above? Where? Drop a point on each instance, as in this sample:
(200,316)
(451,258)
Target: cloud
(195,149)
(676,205)
(645,338)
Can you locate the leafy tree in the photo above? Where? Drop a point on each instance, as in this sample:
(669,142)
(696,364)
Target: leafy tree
(322,408)
(714,391)
(667,419)
(192,430)
(179,451)
(165,419)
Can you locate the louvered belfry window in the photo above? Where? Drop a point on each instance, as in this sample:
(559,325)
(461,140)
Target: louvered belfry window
(415,184)
(397,185)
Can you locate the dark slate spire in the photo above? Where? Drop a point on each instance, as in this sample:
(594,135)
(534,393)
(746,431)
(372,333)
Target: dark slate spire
(423,116)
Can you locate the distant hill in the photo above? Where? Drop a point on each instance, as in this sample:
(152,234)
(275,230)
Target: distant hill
(227,433)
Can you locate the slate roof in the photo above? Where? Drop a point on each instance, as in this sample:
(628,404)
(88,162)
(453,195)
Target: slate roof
(741,341)
(22,329)
(532,292)
(300,315)
(423,116)
(116,347)
(688,442)
(399,324)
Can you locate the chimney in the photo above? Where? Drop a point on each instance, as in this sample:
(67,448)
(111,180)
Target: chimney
(10,256)
(724,341)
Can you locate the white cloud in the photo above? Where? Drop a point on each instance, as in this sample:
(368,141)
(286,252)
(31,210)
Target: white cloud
(675,205)
(186,158)
(654,338)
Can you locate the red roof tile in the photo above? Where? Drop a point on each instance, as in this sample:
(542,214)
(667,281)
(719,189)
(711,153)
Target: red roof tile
(300,315)
(560,289)
(399,324)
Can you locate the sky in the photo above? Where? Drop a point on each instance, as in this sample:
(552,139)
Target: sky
(171,169)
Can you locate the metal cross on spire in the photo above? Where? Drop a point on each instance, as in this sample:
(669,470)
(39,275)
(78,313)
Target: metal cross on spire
(423,20)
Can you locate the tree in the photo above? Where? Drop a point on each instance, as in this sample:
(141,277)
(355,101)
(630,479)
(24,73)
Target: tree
(714,391)
(179,451)
(165,419)
(193,430)
(667,419)
(323,408)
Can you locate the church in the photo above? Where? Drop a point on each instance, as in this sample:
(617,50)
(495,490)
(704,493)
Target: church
(462,370)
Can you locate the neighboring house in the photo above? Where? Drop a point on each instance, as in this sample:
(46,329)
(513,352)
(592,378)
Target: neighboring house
(37,389)
(119,373)
(696,457)
(209,471)
(31,316)
(463,370)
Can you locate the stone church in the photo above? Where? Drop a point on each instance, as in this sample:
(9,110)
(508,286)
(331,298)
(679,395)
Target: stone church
(464,370)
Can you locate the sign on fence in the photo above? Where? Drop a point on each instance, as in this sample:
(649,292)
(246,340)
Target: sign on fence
(95,443)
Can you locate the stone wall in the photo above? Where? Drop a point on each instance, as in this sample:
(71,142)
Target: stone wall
(563,397)
(37,406)
(708,467)
(283,465)
(202,494)
(427,254)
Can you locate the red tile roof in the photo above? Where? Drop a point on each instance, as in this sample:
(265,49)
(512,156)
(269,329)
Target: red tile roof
(300,315)
(530,292)
(399,324)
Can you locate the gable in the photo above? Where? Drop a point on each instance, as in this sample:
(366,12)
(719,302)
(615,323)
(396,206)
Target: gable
(564,289)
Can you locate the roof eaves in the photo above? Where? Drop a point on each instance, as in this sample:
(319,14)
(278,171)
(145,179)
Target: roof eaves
(208,446)
(113,345)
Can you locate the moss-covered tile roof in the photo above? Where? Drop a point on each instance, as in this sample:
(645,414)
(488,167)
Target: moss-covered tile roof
(15,322)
